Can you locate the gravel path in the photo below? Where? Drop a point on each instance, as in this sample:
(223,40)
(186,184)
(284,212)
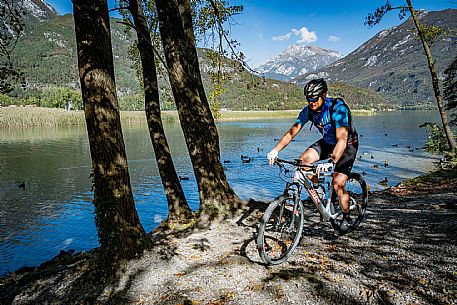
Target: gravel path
(405,252)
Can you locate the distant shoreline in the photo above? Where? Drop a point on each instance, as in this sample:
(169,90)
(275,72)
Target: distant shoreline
(24,117)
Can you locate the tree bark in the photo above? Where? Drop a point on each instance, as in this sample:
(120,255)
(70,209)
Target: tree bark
(217,199)
(120,232)
(435,79)
(178,209)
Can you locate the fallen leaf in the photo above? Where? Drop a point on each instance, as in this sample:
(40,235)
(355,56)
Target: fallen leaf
(255,286)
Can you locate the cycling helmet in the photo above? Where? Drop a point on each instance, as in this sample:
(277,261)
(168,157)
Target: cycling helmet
(315,87)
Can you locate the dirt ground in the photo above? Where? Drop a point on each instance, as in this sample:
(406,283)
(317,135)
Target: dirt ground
(405,252)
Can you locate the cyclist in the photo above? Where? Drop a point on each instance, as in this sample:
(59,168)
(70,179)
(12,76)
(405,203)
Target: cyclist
(340,140)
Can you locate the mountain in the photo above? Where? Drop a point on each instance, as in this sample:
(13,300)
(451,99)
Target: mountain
(297,60)
(36,9)
(245,91)
(46,54)
(393,63)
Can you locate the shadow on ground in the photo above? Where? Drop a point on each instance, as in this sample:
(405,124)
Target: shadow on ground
(404,252)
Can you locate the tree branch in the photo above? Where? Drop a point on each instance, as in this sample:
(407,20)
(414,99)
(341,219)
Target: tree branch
(131,25)
(118,9)
(229,43)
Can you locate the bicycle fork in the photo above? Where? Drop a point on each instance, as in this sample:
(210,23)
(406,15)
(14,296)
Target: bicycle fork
(295,192)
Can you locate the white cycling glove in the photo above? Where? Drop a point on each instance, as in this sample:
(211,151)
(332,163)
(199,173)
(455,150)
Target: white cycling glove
(272,155)
(325,167)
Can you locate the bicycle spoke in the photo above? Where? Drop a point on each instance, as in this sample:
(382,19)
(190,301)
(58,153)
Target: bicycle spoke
(280,232)
(358,197)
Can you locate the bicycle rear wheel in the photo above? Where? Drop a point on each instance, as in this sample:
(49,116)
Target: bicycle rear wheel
(358,192)
(280,230)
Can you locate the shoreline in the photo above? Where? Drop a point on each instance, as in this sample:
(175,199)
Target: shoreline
(435,180)
(54,134)
(26,117)
(221,264)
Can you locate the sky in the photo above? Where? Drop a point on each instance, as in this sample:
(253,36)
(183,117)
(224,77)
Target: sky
(266,27)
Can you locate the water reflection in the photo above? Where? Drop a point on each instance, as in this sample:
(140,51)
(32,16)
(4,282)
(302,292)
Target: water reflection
(55,212)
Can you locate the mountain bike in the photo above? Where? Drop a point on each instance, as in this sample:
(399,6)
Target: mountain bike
(282,223)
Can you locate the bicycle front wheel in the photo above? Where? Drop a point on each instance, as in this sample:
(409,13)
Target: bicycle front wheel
(280,230)
(358,201)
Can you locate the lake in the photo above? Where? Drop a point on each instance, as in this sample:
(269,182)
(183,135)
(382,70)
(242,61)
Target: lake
(54,211)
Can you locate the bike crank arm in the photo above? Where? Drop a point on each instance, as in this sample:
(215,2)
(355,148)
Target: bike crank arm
(325,214)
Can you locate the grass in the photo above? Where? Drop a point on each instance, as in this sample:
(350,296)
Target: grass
(439,175)
(52,117)
(254,115)
(11,117)
(438,181)
(35,116)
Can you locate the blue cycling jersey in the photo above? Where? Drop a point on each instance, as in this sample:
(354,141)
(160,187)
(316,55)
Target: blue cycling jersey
(322,119)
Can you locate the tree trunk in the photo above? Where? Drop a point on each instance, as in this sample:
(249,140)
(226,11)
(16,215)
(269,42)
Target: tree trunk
(216,196)
(435,80)
(178,209)
(120,232)
(186,16)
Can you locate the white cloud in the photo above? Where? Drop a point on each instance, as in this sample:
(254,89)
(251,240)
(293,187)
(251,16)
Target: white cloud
(283,37)
(333,38)
(303,34)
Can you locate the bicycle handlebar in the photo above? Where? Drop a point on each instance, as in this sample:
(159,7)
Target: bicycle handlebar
(308,169)
(296,163)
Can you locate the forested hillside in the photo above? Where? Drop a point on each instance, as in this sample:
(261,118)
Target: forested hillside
(46,53)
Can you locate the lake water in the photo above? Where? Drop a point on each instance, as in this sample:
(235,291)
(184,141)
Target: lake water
(54,212)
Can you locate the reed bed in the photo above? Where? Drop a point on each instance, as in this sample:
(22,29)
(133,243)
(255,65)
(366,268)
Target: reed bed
(24,117)
(36,116)
(139,117)
(256,115)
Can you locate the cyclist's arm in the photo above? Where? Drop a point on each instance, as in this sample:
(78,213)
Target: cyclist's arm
(342,134)
(288,136)
(341,118)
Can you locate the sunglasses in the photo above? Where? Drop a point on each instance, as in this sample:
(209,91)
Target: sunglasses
(312,99)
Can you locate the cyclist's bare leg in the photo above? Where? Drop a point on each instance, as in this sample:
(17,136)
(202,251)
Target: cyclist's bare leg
(309,157)
(339,185)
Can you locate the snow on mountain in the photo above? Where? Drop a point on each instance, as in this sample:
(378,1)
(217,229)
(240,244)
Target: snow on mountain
(39,9)
(393,62)
(297,60)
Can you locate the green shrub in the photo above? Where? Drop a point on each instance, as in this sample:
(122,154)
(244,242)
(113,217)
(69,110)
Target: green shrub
(57,97)
(437,141)
(5,100)
(133,102)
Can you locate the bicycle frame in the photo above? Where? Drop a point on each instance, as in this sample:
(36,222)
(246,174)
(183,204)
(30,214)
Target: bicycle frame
(326,209)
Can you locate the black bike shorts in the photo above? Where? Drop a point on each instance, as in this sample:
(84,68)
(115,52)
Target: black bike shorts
(345,163)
